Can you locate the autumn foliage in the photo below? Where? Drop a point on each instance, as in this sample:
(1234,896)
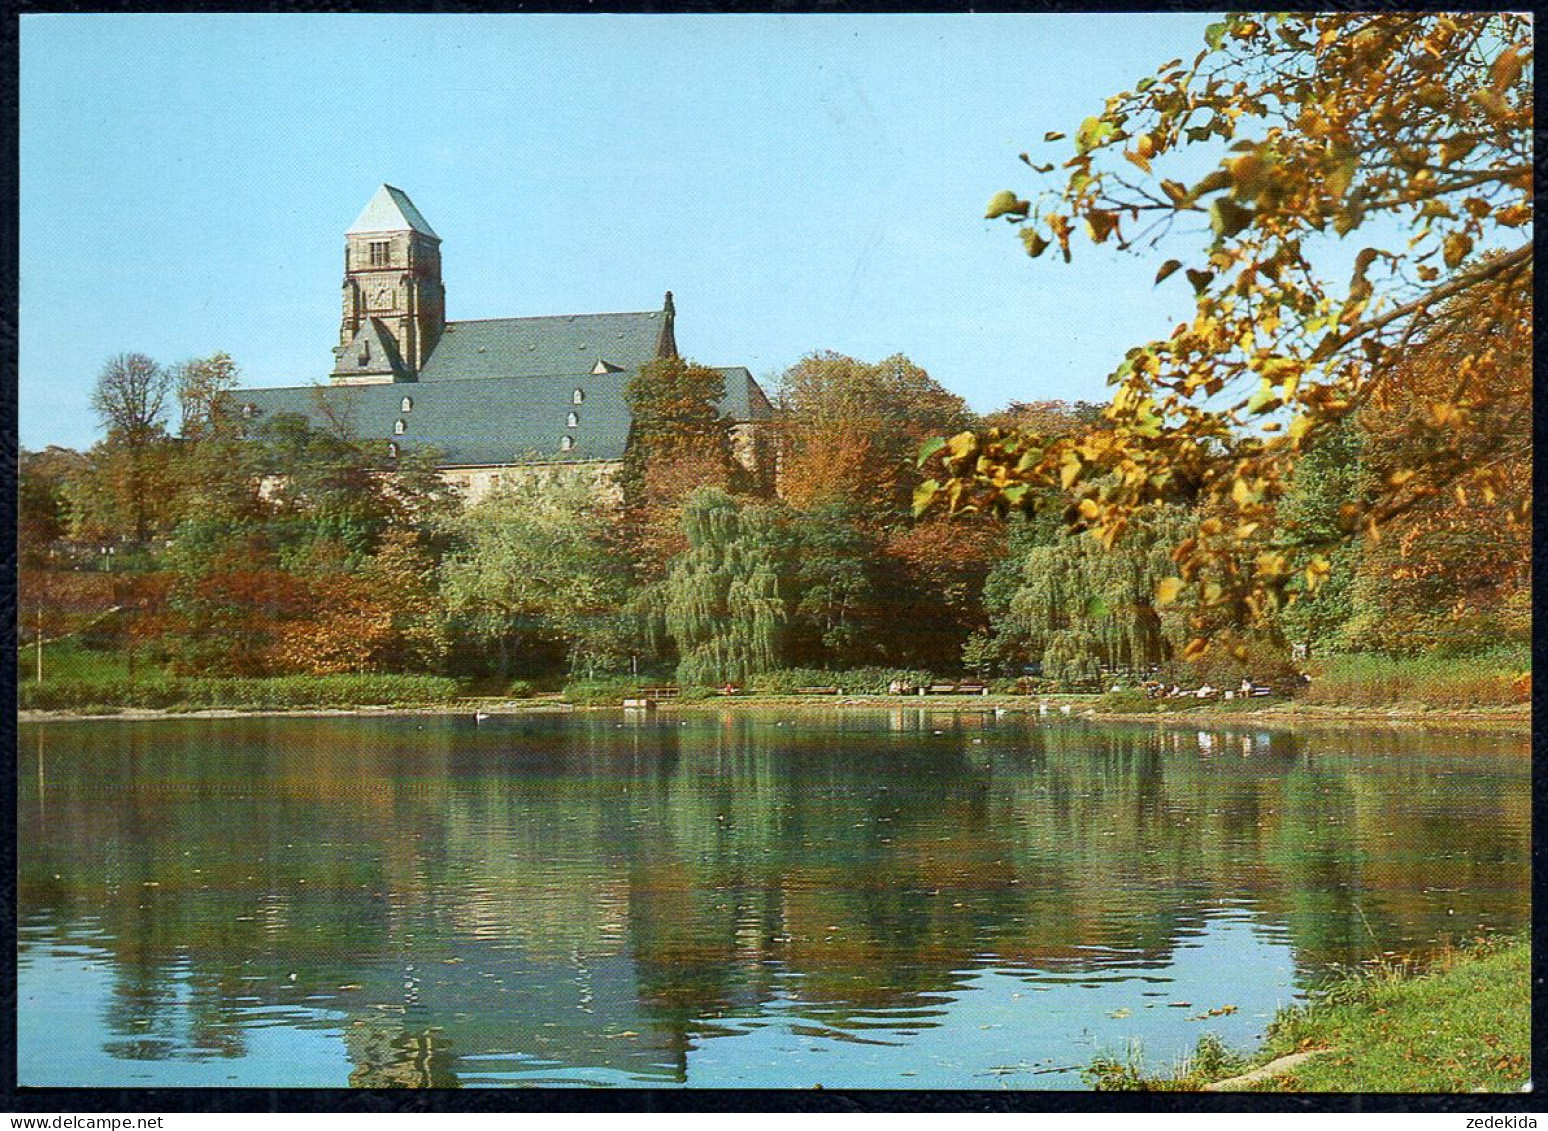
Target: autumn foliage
(1402,138)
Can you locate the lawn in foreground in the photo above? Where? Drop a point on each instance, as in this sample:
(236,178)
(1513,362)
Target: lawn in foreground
(1463,1025)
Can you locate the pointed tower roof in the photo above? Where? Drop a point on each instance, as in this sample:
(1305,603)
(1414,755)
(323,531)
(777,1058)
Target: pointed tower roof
(390,210)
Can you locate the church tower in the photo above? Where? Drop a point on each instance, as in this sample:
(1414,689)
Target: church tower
(394,303)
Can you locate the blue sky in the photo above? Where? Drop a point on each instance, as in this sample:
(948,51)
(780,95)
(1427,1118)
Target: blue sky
(799,182)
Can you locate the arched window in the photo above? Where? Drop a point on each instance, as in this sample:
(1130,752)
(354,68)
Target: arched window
(579,397)
(567,443)
(573,421)
(407,405)
(400,427)
(392,450)
(248,410)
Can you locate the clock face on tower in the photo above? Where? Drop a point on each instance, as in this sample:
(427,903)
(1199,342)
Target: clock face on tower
(381,295)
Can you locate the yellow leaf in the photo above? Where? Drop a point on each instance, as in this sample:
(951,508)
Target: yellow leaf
(1035,242)
(1456,148)
(1089,509)
(1246,173)
(1005,203)
(1069,471)
(1167,590)
(962,444)
(1492,103)
(1269,564)
(1506,69)
(924,495)
(1100,225)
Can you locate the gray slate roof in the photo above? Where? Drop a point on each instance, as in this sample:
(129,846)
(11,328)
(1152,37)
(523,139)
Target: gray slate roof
(390,210)
(535,347)
(496,420)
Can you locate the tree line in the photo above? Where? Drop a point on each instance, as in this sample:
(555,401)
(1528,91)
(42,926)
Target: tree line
(232,547)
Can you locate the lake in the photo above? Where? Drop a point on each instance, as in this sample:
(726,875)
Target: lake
(852,898)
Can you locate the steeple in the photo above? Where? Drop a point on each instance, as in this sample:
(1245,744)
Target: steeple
(390,210)
(666,343)
(394,302)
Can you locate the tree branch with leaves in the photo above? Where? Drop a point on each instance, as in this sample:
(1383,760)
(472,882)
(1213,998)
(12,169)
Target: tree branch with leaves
(1403,138)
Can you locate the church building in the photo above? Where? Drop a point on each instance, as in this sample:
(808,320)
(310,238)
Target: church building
(515,401)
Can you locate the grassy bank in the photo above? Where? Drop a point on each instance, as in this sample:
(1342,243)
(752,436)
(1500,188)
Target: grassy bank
(1462,1024)
(1495,685)
(1491,679)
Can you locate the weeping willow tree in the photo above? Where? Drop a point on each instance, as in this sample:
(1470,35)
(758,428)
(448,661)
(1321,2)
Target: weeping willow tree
(1081,608)
(720,602)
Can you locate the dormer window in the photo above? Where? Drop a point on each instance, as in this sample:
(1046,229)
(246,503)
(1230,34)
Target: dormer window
(567,443)
(407,405)
(573,420)
(248,409)
(579,396)
(392,450)
(400,427)
(364,357)
(381,253)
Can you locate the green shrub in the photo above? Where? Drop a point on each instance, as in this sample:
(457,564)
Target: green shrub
(1129,702)
(609,692)
(281,692)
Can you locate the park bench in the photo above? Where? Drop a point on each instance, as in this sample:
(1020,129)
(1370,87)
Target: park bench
(667,692)
(818,691)
(957,689)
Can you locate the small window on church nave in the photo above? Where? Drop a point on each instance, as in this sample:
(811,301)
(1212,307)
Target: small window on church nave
(381,254)
(573,421)
(579,397)
(400,427)
(392,451)
(407,405)
(567,443)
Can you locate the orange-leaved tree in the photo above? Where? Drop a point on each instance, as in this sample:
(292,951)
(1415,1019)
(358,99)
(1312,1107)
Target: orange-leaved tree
(678,442)
(849,430)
